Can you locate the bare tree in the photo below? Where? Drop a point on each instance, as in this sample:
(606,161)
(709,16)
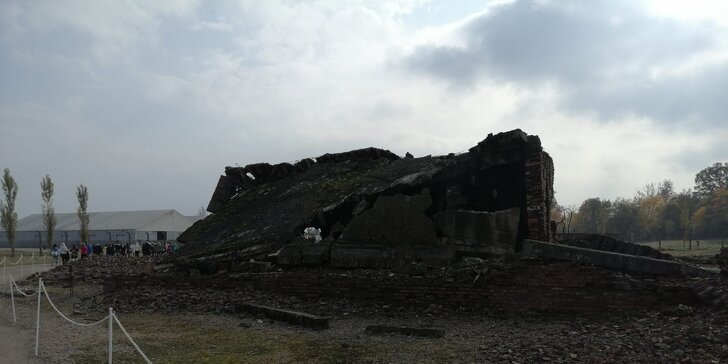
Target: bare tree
(82,195)
(49,214)
(8,216)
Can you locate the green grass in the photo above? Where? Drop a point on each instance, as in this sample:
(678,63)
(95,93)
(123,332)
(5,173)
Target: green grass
(167,339)
(676,247)
(185,339)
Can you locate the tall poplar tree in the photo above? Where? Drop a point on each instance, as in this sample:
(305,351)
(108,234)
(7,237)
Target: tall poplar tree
(49,213)
(8,216)
(82,195)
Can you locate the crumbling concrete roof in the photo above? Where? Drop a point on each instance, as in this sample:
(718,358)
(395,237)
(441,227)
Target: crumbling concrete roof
(276,210)
(261,207)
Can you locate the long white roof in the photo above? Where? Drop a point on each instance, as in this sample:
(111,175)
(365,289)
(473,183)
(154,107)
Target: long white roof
(153,220)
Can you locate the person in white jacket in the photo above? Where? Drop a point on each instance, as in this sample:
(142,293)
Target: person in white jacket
(65,253)
(136,249)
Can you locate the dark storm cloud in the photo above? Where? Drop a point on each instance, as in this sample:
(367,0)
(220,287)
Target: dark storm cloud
(600,54)
(460,66)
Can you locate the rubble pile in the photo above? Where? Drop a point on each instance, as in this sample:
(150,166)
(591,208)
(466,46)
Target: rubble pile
(608,243)
(95,269)
(722,259)
(713,291)
(681,334)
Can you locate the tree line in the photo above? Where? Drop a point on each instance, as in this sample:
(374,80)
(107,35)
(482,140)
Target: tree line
(9,218)
(657,212)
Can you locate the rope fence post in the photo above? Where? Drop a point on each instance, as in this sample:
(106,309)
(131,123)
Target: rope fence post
(21,266)
(111,331)
(134,344)
(12,299)
(4,263)
(111,317)
(37,316)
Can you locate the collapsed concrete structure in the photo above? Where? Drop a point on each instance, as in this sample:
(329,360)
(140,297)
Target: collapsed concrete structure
(375,209)
(414,231)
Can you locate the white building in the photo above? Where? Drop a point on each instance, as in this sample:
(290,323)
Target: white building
(124,226)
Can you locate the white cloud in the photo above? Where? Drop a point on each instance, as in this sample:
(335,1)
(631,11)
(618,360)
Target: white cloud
(641,64)
(217,26)
(146,102)
(694,10)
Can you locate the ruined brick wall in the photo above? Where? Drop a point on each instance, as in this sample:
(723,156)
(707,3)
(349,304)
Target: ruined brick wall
(539,174)
(535,179)
(560,287)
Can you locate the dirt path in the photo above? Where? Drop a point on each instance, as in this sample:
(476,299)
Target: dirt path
(17,345)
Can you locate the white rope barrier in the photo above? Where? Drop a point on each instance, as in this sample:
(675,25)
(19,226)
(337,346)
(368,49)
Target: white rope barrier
(131,340)
(12,296)
(12,299)
(64,316)
(111,334)
(111,317)
(20,290)
(24,260)
(37,317)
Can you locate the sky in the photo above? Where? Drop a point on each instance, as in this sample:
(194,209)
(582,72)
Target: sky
(146,102)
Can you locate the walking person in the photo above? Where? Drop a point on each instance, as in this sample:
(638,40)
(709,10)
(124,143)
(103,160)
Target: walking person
(136,249)
(65,254)
(74,252)
(84,251)
(55,253)
(147,248)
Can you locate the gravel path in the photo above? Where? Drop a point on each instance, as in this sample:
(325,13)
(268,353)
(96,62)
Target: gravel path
(17,344)
(58,338)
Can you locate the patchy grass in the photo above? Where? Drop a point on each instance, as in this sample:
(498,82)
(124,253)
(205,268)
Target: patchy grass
(192,339)
(676,247)
(184,339)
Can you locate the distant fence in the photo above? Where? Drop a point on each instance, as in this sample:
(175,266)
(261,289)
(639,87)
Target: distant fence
(23,262)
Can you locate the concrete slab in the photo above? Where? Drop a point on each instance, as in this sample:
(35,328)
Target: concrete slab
(291,317)
(622,262)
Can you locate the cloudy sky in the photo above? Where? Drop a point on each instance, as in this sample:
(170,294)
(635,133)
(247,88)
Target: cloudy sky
(146,102)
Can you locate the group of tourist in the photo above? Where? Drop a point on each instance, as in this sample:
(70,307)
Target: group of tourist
(84,250)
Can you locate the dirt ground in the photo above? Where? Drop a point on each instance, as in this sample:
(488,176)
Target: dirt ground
(683,334)
(201,331)
(17,345)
